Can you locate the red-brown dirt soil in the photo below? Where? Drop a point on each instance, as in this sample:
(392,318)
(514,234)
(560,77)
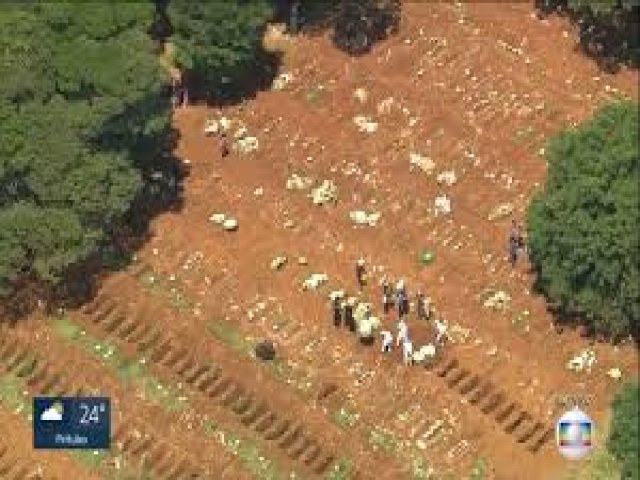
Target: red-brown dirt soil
(476,88)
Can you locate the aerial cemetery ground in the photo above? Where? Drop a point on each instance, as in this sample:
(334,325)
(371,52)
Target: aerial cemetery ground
(343,158)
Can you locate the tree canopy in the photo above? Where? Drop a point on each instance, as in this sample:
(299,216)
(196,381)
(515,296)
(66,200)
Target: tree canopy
(83,113)
(624,439)
(609,30)
(583,227)
(218,43)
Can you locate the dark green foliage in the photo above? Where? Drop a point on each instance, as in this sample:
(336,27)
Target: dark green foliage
(583,229)
(355,25)
(83,114)
(609,30)
(624,439)
(219,39)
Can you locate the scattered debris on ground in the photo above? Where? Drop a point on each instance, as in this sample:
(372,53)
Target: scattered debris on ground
(442,205)
(583,361)
(314,281)
(360,217)
(365,124)
(447,178)
(423,163)
(496,300)
(502,210)
(327,192)
(278,262)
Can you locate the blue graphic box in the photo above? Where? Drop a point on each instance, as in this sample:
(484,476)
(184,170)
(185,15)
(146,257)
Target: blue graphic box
(72,423)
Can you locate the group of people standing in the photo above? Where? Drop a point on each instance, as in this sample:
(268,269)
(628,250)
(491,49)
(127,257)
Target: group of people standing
(398,297)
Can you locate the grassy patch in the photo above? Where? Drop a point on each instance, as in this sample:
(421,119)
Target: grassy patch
(92,459)
(315,95)
(520,320)
(525,134)
(478,469)
(345,417)
(131,371)
(341,470)
(420,469)
(229,335)
(247,452)
(379,438)
(12,396)
(168,287)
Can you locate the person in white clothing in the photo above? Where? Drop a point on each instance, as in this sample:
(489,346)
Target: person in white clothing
(387,341)
(403,332)
(407,352)
(441,329)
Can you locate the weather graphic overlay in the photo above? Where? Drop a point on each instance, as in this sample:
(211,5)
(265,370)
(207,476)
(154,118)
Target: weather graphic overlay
(71,423)
(574,433)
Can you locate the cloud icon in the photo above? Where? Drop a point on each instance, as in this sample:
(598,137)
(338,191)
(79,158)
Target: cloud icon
(53,413)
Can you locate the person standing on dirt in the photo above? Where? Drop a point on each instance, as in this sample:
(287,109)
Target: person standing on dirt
(387,301)
(348,317)
(361,274)
(224,144)
(515,242)
(402,300)
(441,331)
(337,311)
(407,352)
(403,332)
(387,341)
(423,308)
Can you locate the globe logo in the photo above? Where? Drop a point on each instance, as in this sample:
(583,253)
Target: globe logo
(574,433)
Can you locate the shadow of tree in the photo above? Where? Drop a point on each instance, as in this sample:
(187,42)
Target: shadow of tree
(355,25)
(610,37)
(239,85)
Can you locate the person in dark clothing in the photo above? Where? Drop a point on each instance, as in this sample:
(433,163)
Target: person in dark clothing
(387,296)
(224,144)
(337,311)
(421,307)
(515,242)
(361,274)
(349,319)
(402,300)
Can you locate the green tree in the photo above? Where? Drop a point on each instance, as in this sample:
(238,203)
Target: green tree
(582,228)
(219,39)
(624,440)
(83,115)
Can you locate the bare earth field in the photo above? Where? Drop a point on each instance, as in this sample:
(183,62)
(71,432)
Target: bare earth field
(475,88)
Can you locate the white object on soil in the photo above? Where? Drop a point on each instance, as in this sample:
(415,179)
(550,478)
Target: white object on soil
(361,94)
(327,192)
(583,361)
(442,205)
(230,224)
(296,182)
(314,281)
(498,300)
(360,217)
(365,124)
(278,262)
(502,210)
(217,218)
(247,144)
(615,373)
(281,81)
(447,177)
(423,163)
